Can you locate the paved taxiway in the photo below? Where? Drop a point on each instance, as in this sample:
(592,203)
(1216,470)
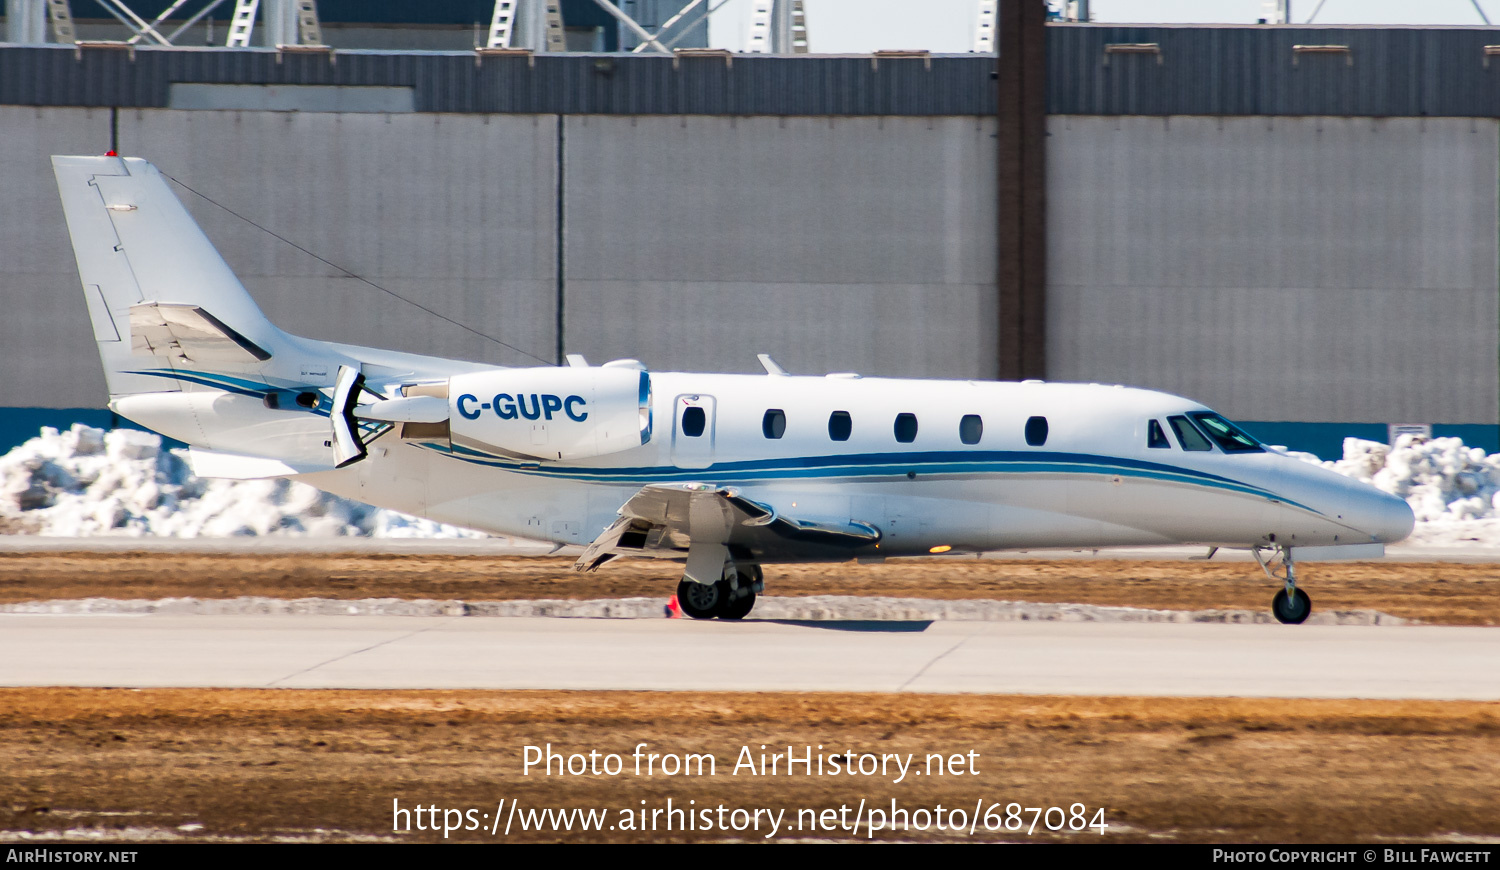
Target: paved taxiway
(1467,551)
(498,653)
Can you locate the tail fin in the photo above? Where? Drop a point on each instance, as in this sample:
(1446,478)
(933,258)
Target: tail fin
(187,352)
(164,305)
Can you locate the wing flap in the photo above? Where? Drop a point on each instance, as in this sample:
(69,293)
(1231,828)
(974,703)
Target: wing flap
(664,520)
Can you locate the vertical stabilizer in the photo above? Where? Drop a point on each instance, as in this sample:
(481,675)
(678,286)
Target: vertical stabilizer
(164,305)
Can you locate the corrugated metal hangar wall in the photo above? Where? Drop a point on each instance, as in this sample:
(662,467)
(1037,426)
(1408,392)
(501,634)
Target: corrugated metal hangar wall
(860,244)
(1291,224)
(1279,268)
(1299,256)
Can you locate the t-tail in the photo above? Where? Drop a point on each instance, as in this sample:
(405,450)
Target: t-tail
(186,351)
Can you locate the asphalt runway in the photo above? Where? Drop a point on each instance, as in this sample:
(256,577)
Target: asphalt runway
(372,652)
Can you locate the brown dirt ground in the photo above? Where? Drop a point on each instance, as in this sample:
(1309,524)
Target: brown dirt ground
(1439,592)
(257,764)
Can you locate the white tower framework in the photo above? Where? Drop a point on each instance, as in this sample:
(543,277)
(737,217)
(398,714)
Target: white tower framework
(62,21)
(778,27)
(984,28)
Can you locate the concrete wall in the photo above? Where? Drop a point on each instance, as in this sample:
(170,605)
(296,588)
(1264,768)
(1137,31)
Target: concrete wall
(47,356)
(1280,268)
(859,244)
(454,211)
(835,244)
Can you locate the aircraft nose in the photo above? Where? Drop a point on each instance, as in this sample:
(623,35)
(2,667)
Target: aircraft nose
(1385,517)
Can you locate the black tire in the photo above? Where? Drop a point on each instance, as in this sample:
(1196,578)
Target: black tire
(700,600)
(739,608)
(1291,611)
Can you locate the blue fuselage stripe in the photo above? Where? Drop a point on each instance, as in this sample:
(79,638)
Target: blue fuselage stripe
(226,383)
(874,465)
(828,467)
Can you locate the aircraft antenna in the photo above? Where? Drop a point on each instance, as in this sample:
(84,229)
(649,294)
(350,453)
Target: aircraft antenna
(348,274)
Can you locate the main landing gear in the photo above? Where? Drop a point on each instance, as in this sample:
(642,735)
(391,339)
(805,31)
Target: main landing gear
(1291,605)
(731,598)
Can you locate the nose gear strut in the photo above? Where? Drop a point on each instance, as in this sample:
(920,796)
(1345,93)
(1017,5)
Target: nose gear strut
(1291,605)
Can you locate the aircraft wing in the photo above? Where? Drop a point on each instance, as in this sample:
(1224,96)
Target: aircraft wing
(665,520)
(212,463)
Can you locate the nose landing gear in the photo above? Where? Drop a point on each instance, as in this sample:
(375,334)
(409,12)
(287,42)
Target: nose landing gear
(1291,608)
(1291,605)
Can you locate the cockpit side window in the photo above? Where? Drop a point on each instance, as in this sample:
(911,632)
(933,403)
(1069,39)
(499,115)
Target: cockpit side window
(1155,437)
(1228,436)
(1188,435)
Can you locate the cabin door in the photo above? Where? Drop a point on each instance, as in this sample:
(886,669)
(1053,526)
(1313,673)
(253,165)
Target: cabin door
(693,431)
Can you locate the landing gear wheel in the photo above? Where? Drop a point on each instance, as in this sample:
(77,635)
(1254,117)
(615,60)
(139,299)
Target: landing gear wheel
(1293,609)
(1291,605)
(750,581)
(739,608)
(700,600)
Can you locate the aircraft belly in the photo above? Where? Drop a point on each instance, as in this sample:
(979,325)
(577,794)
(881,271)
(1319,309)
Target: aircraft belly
(538,510)
(395,477)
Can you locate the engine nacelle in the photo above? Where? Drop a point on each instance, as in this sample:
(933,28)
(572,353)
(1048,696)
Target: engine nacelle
(551,413)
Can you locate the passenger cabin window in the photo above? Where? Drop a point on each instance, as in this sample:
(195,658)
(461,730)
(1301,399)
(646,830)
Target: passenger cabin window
(1036,431)
(773,425)
(1188,435)
(1155,437)
(906,428)
(693,422)
(970,429)
(840,426)
(1228,436)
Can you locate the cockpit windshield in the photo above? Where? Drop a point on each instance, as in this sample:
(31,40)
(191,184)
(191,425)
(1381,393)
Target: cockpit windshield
(1228,436)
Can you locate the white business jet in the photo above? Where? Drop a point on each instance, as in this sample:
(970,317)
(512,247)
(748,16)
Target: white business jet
(723,472)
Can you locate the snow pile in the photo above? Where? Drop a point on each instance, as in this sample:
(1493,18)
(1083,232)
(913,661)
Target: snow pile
(87,481)
(1441,479)
(1454,490)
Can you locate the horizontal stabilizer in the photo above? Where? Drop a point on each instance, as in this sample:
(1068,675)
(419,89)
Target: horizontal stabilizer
(188,333)
(208,463)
